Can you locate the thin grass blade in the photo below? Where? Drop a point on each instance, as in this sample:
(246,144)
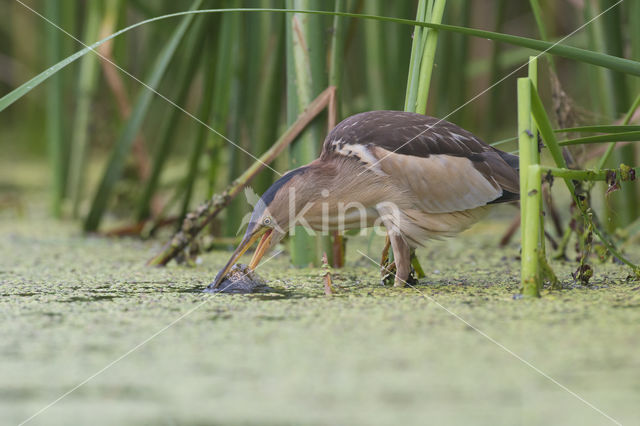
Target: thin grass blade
(582,55)
(121,149)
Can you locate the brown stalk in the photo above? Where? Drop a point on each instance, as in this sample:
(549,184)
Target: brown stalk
(511,230)
(328,288)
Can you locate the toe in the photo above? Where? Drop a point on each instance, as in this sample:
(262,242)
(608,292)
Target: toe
(398,283)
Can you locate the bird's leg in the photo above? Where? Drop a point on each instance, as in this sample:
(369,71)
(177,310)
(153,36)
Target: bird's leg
(387,264)
(385,252)
(402,257)
(387,269)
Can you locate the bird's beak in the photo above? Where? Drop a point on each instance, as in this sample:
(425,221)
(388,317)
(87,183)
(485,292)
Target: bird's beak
(244,245)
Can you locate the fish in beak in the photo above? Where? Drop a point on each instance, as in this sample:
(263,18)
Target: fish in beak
(245,244)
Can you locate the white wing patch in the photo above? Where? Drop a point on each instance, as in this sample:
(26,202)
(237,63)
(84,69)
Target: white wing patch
(360,152)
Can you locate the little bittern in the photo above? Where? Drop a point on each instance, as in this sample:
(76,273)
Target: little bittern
(419,176)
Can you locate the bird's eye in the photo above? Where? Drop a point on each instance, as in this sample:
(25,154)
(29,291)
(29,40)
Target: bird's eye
(266,221)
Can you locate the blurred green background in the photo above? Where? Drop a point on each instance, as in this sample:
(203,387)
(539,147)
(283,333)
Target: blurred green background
(118,151)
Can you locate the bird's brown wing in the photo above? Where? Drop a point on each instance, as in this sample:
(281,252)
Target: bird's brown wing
(444,167)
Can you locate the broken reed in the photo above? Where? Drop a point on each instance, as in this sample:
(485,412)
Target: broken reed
(532,119)
(529,195)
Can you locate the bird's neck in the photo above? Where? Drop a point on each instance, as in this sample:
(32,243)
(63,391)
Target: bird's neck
(326,193)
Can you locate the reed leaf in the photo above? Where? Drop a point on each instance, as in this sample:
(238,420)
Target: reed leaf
(613,137)
(234,115)
(168,126)
(581,55)
(205,109)
(221,95)
(268,99)
(122,147)
(599,129)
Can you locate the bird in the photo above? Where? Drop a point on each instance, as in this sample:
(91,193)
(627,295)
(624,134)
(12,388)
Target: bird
(420,177)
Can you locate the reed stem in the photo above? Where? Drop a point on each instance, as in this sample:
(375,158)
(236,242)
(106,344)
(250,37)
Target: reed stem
(123,145)
(415,59)
(531,231)
(168,126)
(86,87)
(305,71)
(428,57)
(530,196)
(206,107)
(54,108)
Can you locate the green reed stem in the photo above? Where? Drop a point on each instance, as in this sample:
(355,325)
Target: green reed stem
(529,193)
(336,66)
(168,125)
(54,109)
(269,97)
(204,112)
(428,56)
(542,28)
(551,143)
(417,47)
(87,81)
(531,232)
(305,70)
(587,175)
(558,49)
(132,126)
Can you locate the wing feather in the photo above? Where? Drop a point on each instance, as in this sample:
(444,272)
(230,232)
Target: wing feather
(439,183)
(443,166)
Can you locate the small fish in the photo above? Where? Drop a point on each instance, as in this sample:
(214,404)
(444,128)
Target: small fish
(240,280)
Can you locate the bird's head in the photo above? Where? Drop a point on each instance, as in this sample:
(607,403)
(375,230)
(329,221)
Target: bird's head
(270,219)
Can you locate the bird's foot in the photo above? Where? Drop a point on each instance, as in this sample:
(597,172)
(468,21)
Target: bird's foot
(411,280)
(388,276)
(387,273)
